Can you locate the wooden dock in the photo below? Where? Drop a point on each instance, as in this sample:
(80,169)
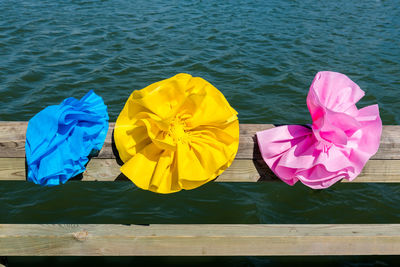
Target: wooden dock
(201,239)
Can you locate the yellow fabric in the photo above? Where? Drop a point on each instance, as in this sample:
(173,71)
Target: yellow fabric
(179,133)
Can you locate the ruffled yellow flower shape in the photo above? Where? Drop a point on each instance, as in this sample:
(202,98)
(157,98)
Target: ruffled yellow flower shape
(179,133)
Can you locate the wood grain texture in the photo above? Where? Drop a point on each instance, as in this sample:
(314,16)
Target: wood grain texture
(203,239)
(12,141)
(375,171)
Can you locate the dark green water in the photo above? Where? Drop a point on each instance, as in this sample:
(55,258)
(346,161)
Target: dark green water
(262,55)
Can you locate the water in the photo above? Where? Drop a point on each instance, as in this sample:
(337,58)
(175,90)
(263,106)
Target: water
(261,55)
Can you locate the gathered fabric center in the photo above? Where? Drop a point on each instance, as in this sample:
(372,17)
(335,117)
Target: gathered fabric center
(177,130)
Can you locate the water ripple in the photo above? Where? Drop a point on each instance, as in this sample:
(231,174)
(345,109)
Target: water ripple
(265,53)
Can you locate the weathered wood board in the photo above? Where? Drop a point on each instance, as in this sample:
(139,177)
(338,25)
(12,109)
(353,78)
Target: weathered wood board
(384,167)
(203,239)
(12,141)
(375,171)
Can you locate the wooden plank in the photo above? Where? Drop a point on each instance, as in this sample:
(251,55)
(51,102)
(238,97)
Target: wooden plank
(202,239)
(12,141)
(375,171)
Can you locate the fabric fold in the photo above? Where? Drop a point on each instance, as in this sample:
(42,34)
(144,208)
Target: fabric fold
(60,138)
(175,134)
(336,146)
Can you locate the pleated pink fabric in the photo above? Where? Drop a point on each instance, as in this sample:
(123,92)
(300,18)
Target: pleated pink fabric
(336,146)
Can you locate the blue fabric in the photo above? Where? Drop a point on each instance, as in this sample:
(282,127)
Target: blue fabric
(60,138)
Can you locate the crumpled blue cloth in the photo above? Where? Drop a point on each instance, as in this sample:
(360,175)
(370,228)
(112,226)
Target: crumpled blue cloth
(60,138)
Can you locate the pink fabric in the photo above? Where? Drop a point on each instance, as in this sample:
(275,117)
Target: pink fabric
(339,142)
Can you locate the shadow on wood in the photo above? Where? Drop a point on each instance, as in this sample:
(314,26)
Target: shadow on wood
(122,178)
(262,168)
(115,151)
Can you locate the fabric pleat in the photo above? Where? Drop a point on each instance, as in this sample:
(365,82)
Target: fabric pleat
(60,138)
(336,146)
(176,134)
